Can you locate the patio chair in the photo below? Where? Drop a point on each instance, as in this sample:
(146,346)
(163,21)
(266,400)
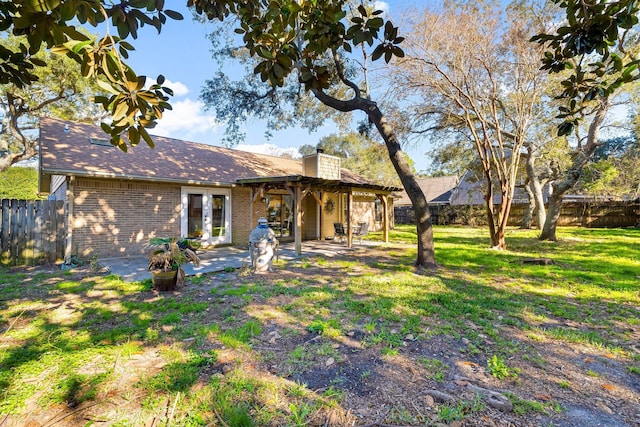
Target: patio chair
(362,230)
(338,229)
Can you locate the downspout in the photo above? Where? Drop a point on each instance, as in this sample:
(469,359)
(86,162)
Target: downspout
(69,196)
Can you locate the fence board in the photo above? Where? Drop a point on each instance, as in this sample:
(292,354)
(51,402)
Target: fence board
(29,252)
(4,230)
(15,233)
(593,215)
(38,232)
(32,231)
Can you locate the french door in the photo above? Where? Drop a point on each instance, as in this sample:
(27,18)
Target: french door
(206,215)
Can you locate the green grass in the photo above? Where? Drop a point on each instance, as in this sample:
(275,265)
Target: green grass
(437,369)
(527,406)
(67,341)
(497,367)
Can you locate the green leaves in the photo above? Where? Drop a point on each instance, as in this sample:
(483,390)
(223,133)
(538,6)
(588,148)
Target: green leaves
(48,23)
(593,28)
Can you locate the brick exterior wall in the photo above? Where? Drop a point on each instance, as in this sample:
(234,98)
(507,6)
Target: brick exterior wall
(364,211)
(117,218)
(241,215)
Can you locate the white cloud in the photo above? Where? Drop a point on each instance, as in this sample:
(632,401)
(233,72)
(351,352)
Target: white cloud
(187,121)
(178,88)
(381,5)
(270,149)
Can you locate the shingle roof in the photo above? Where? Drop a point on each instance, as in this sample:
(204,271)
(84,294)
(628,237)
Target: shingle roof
(470,191)
(70,152)
(436,190)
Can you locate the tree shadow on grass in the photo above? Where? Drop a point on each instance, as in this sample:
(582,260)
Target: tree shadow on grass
(480,303)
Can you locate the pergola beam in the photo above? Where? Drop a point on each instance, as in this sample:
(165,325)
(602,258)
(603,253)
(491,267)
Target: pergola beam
(298,186)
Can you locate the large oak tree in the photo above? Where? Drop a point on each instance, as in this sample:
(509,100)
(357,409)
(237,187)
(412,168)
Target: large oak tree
(59,91)
(310,40)
(53,24)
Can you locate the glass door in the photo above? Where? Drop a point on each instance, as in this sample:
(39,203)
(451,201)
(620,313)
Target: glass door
(205,215)
(218,216)
(194,216)
(280,214)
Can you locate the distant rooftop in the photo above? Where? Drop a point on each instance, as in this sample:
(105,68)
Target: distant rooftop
(437,190)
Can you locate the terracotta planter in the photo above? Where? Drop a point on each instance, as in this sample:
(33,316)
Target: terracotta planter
(164,280)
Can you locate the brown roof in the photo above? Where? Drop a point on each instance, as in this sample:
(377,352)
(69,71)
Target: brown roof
(70,152)
(436,189)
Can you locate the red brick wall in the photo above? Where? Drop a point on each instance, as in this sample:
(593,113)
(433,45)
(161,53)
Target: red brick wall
(116,218)
(241,215)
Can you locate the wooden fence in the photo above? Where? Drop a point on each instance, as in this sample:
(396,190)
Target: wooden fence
(580,214)
(32,232)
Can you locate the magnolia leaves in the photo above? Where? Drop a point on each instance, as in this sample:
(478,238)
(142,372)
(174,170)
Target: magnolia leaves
(592,45)
(47,23)
(287,35)
(134,108)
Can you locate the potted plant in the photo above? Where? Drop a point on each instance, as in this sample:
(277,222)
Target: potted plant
(166,260)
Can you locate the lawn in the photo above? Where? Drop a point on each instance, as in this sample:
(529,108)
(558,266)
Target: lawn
(355,340)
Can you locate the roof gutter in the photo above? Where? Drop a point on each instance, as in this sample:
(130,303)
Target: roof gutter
(135,178)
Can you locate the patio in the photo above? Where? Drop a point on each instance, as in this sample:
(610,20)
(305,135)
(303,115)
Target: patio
(132,269)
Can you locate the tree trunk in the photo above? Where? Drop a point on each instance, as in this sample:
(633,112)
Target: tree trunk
(536,188)
(553,215)
(496,228)
(527,217)
(561,186)
(426,252)
(27,146)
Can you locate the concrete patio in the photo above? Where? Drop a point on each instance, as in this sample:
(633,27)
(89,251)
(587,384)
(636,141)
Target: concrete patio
(133,269)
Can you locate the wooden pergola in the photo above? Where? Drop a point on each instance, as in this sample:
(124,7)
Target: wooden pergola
(299,186)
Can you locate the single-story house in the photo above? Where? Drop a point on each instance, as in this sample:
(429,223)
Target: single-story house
(116,201)
(438,192)
(471,189)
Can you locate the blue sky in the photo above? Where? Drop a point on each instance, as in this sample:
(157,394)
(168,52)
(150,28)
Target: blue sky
(181,54)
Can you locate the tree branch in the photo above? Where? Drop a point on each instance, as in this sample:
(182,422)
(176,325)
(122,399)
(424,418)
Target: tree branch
(342,76)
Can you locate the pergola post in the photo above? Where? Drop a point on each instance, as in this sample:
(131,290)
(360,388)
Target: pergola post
(385,217)
(319,196)
(349,214)
(298,216)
